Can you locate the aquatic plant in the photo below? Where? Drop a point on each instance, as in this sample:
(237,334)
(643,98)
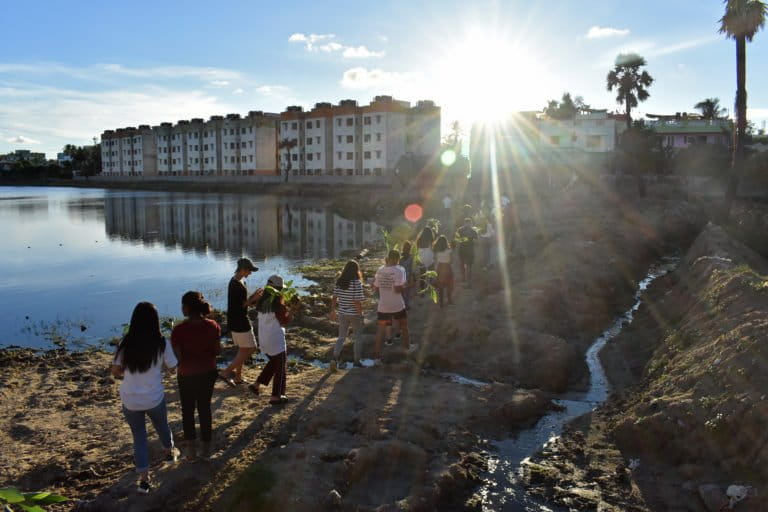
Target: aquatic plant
(10,498)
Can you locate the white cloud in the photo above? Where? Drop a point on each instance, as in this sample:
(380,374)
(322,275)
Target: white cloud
(603,32)
(101,72)
(20,139)
(238,91)
(682,46)
(329,47)
(362,78)
(219,83)
(323,43)
(360,52)
(271,89)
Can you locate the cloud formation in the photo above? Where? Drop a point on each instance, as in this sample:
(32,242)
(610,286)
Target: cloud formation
(20,139)
(323,43)
(362,78)
(604,32)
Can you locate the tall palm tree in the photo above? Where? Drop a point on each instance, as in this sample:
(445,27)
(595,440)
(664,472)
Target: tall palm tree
(710,108)
(741,21)
(630,82)
(288,145)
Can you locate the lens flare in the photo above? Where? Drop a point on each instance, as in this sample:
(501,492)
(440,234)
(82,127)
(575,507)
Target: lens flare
(413,212)
(448,158)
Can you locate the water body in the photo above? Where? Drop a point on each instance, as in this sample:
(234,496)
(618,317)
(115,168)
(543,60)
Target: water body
(76,261)
(504,490)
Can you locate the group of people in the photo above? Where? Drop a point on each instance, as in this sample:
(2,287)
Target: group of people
(143,353)
(195,343)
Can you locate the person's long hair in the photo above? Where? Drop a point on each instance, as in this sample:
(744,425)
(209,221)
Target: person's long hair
(143,344)
(407,246)
(441,244)
(350,273)
(425,238)
(196,304)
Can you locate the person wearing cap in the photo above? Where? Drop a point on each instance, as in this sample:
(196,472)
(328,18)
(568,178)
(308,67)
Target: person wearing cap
(239,325)
(273,316)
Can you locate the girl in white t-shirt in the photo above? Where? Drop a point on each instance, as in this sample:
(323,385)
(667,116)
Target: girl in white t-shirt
(444,281)
(139,360)
(426,256)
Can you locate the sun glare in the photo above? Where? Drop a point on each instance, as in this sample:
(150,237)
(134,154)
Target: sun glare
(485,77)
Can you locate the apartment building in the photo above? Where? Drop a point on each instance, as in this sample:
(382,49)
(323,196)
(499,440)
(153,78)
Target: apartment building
(129,152)
(342,140)
(352,140)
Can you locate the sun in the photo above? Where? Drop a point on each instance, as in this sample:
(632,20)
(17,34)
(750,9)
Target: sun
(485,77)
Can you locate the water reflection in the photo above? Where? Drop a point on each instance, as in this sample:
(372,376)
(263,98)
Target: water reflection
(261,226)
(76,261)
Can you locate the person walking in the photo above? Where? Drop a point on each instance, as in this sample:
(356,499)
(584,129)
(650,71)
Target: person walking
(347,307)
(239,325)
(426,256)
(139,360)
(447,208)
(488,239)
(196,343)
(406,261)
(444,281)
(390,281)
(466,236)
(273,317)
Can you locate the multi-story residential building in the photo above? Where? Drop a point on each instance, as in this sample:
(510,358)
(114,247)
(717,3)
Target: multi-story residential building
(681,130)
(129,152)
(341,140)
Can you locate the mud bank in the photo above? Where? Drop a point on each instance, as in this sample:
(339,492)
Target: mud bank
(689,417)
(401,437)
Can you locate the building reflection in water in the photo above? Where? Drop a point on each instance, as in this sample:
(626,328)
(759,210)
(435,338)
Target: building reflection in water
(224,224)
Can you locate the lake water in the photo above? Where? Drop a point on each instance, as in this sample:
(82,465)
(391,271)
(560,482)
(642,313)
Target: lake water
(76,261)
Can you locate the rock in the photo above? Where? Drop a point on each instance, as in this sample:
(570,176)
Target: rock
(713,497)
(333,499)
(523,407)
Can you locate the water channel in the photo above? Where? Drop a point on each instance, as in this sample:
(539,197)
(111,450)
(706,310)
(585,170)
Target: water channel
(76,261)
(504,490)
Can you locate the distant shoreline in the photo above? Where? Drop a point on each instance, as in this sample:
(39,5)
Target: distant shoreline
(293,189)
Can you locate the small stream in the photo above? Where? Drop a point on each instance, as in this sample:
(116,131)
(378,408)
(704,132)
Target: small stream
(504,490)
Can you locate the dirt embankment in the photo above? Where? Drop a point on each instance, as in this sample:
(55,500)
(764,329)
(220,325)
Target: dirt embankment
(689,418)
(401,437)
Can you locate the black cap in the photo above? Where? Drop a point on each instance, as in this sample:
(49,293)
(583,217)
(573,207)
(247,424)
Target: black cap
(246,264)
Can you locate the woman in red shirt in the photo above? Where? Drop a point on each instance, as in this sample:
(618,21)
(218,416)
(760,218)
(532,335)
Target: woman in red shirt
(196,342)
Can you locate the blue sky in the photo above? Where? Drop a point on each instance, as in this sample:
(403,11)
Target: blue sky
(70,70)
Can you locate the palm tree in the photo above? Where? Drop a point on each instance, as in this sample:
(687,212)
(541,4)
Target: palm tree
(630,83)
(741,21)
(288,145)
(710,108)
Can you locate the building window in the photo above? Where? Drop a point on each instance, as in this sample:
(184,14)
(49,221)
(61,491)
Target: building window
(309,156)
(367,155)
(367,172)
(294,126)
(378,137)
(349,155)
(378,119)
(338,139)
(350,121)
(309,141)
(294,157)
(205,147)
(349,172)
(350,139)
(309,124)
(367,120)
(205,160)
(378,154)
(338,121)
(338,155)
(367,137)
(250,143)
(231,131)
(242,131)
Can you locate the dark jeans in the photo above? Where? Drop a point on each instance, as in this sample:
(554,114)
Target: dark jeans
(195,392)
(275,371)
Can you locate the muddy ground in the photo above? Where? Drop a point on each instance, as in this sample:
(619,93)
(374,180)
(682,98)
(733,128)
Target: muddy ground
(401,437)
(688,417)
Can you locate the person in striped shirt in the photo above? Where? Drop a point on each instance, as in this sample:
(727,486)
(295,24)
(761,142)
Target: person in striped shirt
(347,307)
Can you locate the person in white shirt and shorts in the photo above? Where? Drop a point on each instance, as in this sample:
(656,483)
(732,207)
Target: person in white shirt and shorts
(390,281)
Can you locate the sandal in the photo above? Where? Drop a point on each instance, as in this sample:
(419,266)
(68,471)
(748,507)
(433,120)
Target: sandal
(228,380)
(254,388)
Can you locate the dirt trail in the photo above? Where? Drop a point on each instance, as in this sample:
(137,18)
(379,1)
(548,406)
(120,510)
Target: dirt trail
(401,437)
